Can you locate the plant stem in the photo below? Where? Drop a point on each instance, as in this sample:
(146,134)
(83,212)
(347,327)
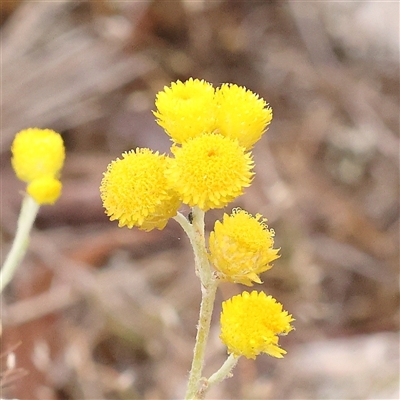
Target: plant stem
(203,329)
(195,232)
(29,210)
(209,284)
(224,371)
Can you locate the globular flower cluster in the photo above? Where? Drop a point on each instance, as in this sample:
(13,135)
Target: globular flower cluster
(241,247)
(251,323)
(134,190)
(209,171)
(186,109)
(241,114)
(37,158)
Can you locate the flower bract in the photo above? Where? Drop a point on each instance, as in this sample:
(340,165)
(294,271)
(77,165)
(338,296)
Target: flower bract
(241,247)
(134,191)
(37,153)
(209,171)
(44,190)
(186,109)
(241,114)
(251,323)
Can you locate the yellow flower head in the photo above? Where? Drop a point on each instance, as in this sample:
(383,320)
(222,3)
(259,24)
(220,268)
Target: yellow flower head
(241,247)
(251,323)
(134,191)
(186,110)
(209,171)
(241,114)
(45,190)
(37,153)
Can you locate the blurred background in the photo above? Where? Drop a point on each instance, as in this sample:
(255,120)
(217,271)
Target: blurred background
(100,312)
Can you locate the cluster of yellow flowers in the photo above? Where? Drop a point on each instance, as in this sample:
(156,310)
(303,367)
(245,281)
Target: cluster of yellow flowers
(212,132)
(37,158)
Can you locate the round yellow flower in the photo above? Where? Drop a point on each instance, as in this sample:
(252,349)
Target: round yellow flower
(251,323)
(45,190)
(186,110)
(241,114)
(241,247)
(37,153)
(209,171)
(134,191)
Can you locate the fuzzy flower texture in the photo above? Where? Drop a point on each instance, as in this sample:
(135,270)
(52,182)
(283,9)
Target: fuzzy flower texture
(241,247)
(251,323)
(213,131)
(37,158)
(134,191)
